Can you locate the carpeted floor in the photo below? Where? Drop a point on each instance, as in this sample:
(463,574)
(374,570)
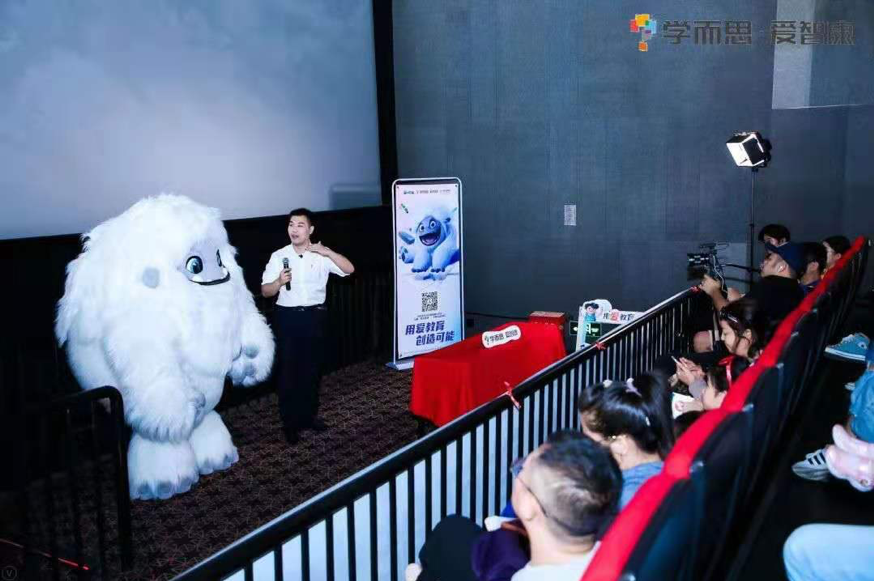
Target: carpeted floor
(366,403)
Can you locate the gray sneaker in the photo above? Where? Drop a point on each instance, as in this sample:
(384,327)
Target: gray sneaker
(813,467)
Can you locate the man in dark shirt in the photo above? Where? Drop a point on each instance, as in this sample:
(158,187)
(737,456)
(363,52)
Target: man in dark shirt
(778,292)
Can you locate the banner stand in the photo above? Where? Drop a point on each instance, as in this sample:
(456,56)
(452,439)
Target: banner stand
(429,283)
(403,365)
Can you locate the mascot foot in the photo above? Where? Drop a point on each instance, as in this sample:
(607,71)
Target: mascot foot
(213,448)
(160,469)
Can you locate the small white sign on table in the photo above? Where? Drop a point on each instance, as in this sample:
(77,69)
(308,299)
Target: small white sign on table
(502,337)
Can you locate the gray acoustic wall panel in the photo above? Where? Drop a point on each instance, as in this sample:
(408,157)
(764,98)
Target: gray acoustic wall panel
(535,105)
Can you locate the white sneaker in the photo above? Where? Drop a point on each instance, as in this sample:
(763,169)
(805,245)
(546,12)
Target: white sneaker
(813,467)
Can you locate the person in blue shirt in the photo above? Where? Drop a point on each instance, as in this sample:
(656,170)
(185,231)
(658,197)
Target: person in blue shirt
(633,419)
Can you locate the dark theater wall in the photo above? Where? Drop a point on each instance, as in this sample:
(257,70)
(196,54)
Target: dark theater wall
(535,105)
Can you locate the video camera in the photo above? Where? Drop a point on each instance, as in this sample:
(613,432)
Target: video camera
(707,262)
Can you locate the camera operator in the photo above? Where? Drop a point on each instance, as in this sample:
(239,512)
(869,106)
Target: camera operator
(778,291)
(776,294)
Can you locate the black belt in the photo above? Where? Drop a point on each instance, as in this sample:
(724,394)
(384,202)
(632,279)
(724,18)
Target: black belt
(308,308)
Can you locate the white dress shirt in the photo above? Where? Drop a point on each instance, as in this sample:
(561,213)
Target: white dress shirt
(309,276)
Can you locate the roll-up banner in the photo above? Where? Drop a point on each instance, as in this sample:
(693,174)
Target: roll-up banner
(429,283)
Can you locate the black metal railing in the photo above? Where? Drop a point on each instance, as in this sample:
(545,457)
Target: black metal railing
(371,525)
(69,485)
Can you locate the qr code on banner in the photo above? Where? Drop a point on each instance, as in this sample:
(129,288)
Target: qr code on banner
(429,301)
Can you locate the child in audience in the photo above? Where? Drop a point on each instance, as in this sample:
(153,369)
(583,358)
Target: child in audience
(744,332)
(719,381)
(633,420)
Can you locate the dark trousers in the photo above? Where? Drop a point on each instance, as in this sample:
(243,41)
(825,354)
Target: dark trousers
(447,552)
(300,335)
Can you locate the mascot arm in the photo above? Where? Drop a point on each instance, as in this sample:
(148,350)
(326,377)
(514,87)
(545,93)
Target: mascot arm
(407,237)
(253,364)
(158,403)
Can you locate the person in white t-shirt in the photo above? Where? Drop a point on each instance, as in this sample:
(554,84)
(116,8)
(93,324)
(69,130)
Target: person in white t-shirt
(298,273)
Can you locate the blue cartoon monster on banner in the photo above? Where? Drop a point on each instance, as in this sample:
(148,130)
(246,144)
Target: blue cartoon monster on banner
(433,246)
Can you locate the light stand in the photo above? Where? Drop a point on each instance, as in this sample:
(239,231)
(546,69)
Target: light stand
(749,149)
(752,241)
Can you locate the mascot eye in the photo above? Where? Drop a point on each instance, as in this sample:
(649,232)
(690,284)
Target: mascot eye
(194,265)
(433,224)
(218,258)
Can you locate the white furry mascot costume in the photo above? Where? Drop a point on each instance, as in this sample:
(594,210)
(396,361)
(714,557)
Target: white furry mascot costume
(156,306)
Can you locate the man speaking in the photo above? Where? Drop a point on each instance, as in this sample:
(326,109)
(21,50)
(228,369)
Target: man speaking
(298,273)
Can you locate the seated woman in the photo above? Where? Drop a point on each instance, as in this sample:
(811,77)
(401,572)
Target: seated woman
(633,420)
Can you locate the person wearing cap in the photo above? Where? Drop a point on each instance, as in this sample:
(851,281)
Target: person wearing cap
(777,293)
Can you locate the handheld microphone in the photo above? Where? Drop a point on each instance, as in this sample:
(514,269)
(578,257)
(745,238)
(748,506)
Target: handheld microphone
(285,266)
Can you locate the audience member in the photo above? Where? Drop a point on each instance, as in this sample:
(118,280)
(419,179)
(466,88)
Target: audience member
(565,494)
(815,257)
(775,234)
(719,381)
(744,332)
(826,552)
(633,420)
(835,247)
(703,325)
(777,293)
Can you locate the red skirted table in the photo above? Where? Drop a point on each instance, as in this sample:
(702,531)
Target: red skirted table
(456,379)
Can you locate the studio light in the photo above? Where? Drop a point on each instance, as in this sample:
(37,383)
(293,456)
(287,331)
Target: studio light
(749,149)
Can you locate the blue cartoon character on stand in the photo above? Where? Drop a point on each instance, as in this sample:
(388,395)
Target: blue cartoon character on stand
(591,317)
(433,246)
